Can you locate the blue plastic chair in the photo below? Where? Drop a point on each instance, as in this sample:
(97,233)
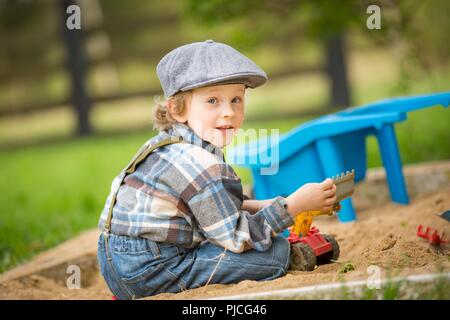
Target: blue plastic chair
(333,144)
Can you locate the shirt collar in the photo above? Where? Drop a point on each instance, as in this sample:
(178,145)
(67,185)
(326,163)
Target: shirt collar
(184,131)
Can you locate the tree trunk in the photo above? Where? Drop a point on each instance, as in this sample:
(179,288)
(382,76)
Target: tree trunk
(77,66)
(336,67)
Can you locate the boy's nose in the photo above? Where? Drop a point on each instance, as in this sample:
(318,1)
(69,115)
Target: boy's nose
(227,110)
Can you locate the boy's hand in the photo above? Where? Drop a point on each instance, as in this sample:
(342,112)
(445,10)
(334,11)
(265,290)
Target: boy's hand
(313,196)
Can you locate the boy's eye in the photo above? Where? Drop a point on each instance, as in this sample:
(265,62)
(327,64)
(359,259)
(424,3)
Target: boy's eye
(236,100)
(212,100)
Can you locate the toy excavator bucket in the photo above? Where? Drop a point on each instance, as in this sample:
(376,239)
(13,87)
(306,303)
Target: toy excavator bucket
(345,185)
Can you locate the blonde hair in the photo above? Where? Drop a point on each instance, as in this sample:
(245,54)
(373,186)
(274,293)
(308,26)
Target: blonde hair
(162,118)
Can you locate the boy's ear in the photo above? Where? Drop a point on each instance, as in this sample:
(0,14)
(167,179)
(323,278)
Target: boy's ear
(180,117)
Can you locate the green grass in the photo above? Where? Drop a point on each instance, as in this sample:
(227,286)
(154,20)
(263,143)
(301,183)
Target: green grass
(51,193)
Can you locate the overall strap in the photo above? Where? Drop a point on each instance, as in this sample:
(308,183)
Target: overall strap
(140,156)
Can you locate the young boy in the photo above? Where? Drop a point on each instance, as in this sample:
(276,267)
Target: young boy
(176,217)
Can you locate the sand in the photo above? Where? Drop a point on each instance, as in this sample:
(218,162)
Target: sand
(384,236)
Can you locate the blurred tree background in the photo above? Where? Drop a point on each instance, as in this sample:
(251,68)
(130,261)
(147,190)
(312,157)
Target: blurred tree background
(121,43)
(99,82)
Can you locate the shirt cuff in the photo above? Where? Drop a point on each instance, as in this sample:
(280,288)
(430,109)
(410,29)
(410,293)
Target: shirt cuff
(277,216)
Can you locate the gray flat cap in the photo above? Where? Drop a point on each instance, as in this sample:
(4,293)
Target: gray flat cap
(201,64)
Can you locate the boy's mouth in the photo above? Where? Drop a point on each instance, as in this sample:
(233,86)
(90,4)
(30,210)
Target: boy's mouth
(224,129)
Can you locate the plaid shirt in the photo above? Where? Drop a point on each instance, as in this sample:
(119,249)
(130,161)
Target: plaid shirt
(185,193)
